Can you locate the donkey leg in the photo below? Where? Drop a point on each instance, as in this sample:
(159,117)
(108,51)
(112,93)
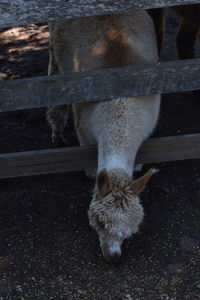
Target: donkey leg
(56,115)
(57,118)
(158,18)
(186,39)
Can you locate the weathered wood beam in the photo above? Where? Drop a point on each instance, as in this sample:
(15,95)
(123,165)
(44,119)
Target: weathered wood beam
(78,158)
(20,12)
(176,76)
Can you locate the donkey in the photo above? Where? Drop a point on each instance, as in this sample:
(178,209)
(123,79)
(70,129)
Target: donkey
(118,127)
(188,30)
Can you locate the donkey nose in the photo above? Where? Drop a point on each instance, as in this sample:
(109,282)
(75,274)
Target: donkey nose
(114,256)
(111,254)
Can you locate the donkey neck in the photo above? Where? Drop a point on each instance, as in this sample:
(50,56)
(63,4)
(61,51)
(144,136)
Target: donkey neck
(116,161)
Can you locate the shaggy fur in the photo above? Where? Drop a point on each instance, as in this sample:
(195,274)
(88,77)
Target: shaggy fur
(116,212)
(119,126)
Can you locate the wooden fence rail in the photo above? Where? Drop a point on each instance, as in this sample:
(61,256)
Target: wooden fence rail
(78,158)
(20,12)
(100,85)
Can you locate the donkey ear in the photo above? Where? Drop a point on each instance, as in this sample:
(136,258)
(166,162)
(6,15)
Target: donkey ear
(139,184)
(103,184)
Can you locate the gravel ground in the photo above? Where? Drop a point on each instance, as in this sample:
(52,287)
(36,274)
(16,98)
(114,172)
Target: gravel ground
(47,249)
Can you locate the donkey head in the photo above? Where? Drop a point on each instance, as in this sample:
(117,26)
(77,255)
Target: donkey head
(115,211)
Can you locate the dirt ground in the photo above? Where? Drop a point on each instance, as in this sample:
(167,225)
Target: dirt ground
(47,248)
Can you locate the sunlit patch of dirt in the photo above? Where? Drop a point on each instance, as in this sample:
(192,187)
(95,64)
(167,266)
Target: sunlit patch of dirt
(24,32)
(21,47)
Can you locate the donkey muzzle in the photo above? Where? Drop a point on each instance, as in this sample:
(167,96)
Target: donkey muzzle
(111,253)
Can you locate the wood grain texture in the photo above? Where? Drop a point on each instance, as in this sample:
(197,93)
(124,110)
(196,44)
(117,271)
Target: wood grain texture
(154,150)
(20,12)
(176,76)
